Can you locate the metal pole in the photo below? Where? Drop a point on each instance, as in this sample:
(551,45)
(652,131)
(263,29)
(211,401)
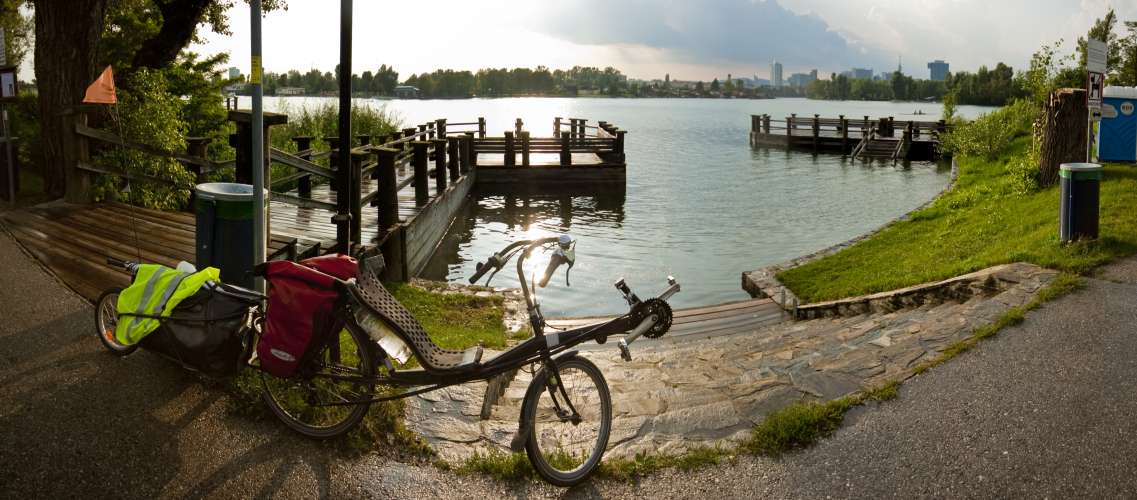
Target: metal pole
(8,151)
(343,231)
(259,236)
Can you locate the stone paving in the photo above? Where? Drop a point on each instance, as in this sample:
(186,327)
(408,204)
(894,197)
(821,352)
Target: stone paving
(705,390)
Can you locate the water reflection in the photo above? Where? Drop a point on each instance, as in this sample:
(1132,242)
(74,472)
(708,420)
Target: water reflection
(492,220)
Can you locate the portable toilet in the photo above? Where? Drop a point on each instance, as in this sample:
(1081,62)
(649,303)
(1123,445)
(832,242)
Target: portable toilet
(1117,134)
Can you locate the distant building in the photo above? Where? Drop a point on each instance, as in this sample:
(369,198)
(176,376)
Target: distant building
(234,73)
(776,74)
(802,80)
(290,91)
(406,92)
(938,70)
(862,74)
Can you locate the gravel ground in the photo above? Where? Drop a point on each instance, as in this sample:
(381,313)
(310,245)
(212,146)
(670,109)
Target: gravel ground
(1043,410)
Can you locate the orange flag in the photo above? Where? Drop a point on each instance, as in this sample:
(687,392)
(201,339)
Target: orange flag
(101,91)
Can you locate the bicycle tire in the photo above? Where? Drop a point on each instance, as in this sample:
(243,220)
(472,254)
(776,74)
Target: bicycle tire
(291,401)
(551,463)
(106,318)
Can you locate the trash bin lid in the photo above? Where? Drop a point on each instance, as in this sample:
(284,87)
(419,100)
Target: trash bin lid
(1078,167)
(225,191)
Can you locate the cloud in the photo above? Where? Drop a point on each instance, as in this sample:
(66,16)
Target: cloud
(710,32)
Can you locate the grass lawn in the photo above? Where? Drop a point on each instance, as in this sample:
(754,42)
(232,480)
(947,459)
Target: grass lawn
(455,321)
(981,222)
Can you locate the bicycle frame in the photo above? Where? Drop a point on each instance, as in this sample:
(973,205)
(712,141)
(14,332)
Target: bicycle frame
(541,347)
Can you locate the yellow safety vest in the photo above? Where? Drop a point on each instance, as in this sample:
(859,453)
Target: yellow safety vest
(155,292)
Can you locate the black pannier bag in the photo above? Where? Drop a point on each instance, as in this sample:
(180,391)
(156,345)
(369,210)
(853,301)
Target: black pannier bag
(203,332)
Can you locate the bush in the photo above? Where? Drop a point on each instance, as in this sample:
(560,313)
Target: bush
(991,134)
(146,113)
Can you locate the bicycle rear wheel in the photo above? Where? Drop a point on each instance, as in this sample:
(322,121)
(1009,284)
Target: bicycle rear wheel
(567,436)
(341,372)
(106,319)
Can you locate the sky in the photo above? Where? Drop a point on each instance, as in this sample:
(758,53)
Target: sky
(646,39)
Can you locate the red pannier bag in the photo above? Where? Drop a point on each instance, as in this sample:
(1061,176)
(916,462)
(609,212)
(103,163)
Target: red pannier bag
(301,298)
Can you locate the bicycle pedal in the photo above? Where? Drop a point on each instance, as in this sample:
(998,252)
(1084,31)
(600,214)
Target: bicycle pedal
(625,352)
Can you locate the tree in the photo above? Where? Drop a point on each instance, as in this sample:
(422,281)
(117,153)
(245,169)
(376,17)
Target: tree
(715,85)
(69,38)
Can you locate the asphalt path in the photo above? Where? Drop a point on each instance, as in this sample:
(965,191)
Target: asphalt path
(1046,409)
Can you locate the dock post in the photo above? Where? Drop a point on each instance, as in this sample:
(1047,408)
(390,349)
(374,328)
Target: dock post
(440,124)
(304,151)
(421,172)
(429,131)
(789,131)
(333,161)
(766,124)
(510,154)
(844,134)
(473,150)
(816,131)
(566,150)
(363,139)
(356,194)
(453,154)
(620,145)
(524,148)
(422,130)
(517,126)
(388,197)
(465,151)
(865,127)
(439,164)
(557,127)
(481,127)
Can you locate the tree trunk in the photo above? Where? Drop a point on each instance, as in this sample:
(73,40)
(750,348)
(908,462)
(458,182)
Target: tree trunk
(1064,133)
(179,20)
(67,36)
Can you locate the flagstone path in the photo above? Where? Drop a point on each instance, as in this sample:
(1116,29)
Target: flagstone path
(699,390)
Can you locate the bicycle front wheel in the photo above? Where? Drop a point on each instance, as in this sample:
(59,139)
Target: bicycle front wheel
(569,422)
(341,372)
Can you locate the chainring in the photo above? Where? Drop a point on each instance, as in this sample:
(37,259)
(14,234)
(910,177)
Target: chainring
(659,308)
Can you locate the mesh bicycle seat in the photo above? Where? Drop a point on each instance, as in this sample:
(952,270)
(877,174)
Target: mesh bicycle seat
(371,292)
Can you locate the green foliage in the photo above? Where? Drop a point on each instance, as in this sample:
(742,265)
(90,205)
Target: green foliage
(146,113)
(797,426)
(1046,68)
(991,134)
(985,87)
(18,30)
(983,221)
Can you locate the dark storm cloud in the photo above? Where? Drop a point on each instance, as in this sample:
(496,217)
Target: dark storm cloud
(708,31)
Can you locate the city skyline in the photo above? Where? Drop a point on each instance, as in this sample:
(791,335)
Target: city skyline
(647,39)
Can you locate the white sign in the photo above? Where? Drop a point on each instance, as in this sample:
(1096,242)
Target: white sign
(1096,55)
(1094,89)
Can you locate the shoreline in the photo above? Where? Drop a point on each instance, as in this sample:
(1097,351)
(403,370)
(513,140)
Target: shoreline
(763,282)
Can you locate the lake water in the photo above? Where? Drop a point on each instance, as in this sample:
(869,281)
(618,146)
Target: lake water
(699,204)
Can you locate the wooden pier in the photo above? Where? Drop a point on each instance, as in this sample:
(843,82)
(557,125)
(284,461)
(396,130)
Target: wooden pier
(406,189)
(882,138)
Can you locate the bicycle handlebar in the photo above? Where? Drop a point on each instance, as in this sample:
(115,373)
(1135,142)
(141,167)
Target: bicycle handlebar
(554,262)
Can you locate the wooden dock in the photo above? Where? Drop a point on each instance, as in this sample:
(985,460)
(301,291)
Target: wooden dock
(406,189)
(882,138)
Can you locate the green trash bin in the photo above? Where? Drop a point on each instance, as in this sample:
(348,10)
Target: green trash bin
(225,230)
(1078,212)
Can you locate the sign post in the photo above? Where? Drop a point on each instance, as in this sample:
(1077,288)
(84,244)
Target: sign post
(7,93)
(1097,54)
(259,236)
